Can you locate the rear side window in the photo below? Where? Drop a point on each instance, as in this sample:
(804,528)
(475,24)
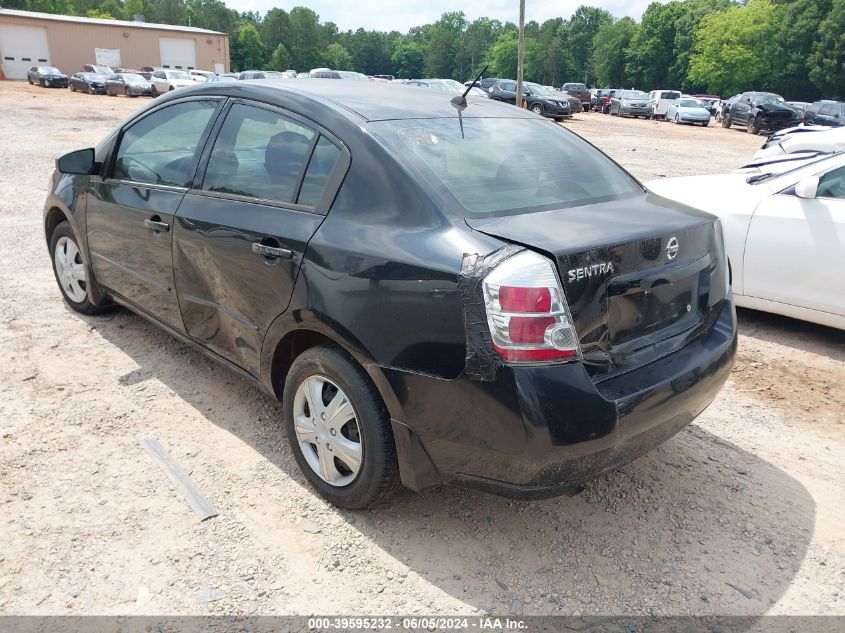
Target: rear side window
(319,169)
(258,153)
(160,148)
(488,174)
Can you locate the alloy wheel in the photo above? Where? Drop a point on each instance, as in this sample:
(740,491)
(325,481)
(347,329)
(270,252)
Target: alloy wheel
(327,430)
(537,109)
(70,270)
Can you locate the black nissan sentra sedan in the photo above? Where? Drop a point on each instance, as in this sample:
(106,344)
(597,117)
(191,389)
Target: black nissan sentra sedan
(431,303)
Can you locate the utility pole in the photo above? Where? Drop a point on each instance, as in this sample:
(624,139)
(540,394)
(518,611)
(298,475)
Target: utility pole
(520,54)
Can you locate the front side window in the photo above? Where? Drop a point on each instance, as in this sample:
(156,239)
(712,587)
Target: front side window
(832,184)
(258,153)
(489,175)
(160,148)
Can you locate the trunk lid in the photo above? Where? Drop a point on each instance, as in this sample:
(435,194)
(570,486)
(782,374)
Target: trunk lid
(641,275)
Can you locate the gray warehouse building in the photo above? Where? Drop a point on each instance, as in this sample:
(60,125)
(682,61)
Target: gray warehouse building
(30,39)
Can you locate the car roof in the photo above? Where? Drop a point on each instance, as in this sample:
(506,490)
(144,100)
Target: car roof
(369,100)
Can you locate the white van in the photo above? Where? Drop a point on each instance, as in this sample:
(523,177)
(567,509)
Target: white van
(660,100)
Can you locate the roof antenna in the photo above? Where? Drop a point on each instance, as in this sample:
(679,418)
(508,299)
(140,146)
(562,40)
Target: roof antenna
(460,102)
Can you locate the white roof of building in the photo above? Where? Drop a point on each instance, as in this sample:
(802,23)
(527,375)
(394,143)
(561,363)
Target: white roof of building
(123,23)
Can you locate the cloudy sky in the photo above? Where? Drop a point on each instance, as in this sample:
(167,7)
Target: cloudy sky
(400,15)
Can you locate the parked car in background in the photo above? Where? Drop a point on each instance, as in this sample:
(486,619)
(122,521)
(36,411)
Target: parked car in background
(567,320)
(224,77)
(711,102)
(580,91)
(446,86)
(201,75)
(800,106)
(92,83)
(759,111)
(166,80)
(596,95)
(385,77)
(289,74)
(630,103)
(97,69)
(485,84)
(607,98)
(659,102)
(829,113)
(260,74)
(47,77)
(784,234)
(129,84)
(338,74)
(537,99)
(688,110)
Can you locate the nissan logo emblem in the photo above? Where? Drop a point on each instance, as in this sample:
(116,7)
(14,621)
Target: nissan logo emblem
(672,248)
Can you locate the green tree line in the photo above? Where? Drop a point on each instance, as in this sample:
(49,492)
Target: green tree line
(793,47)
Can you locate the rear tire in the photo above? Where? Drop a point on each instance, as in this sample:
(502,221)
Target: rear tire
(153,91)
(726,120)
(377,476)
(71,271)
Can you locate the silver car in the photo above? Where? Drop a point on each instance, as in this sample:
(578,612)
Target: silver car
(689,110)
(630,103)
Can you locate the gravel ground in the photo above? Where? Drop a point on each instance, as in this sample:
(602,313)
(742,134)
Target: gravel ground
(741,513)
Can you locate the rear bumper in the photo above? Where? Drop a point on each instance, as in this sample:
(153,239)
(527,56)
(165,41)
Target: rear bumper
(543,431)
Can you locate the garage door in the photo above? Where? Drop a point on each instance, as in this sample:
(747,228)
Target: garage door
(177,52)
(21,48)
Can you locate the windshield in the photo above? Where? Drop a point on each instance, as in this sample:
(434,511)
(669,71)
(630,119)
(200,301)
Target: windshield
(177,74)
(692,103)
(49,70)
(133,79)
(768,98)
(634,94)
(92,76)
(539,90)
(576,88)
(487,174)
(348,74)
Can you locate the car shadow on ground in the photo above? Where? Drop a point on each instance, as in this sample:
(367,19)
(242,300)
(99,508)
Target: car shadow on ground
(697,526)
(803,335)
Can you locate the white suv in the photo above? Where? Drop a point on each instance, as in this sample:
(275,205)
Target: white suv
(166,80)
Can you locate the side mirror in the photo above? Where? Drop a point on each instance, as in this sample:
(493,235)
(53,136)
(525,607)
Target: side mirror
(807,187)
(80,162)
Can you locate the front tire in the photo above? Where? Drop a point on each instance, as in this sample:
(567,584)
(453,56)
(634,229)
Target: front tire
(726,120)
(339,429)
(537,109)
(154,91)
(70,270)
(752,126)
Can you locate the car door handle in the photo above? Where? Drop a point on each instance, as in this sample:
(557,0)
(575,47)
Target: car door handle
(273,252)
(156,225)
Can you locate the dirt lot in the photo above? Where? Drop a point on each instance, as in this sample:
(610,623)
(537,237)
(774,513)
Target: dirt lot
(741,513)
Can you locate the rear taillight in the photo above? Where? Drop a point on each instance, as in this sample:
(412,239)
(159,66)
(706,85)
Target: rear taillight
(527,312)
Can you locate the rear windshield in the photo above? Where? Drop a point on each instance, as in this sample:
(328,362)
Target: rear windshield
(670,94)
(488,174)
(692,103)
